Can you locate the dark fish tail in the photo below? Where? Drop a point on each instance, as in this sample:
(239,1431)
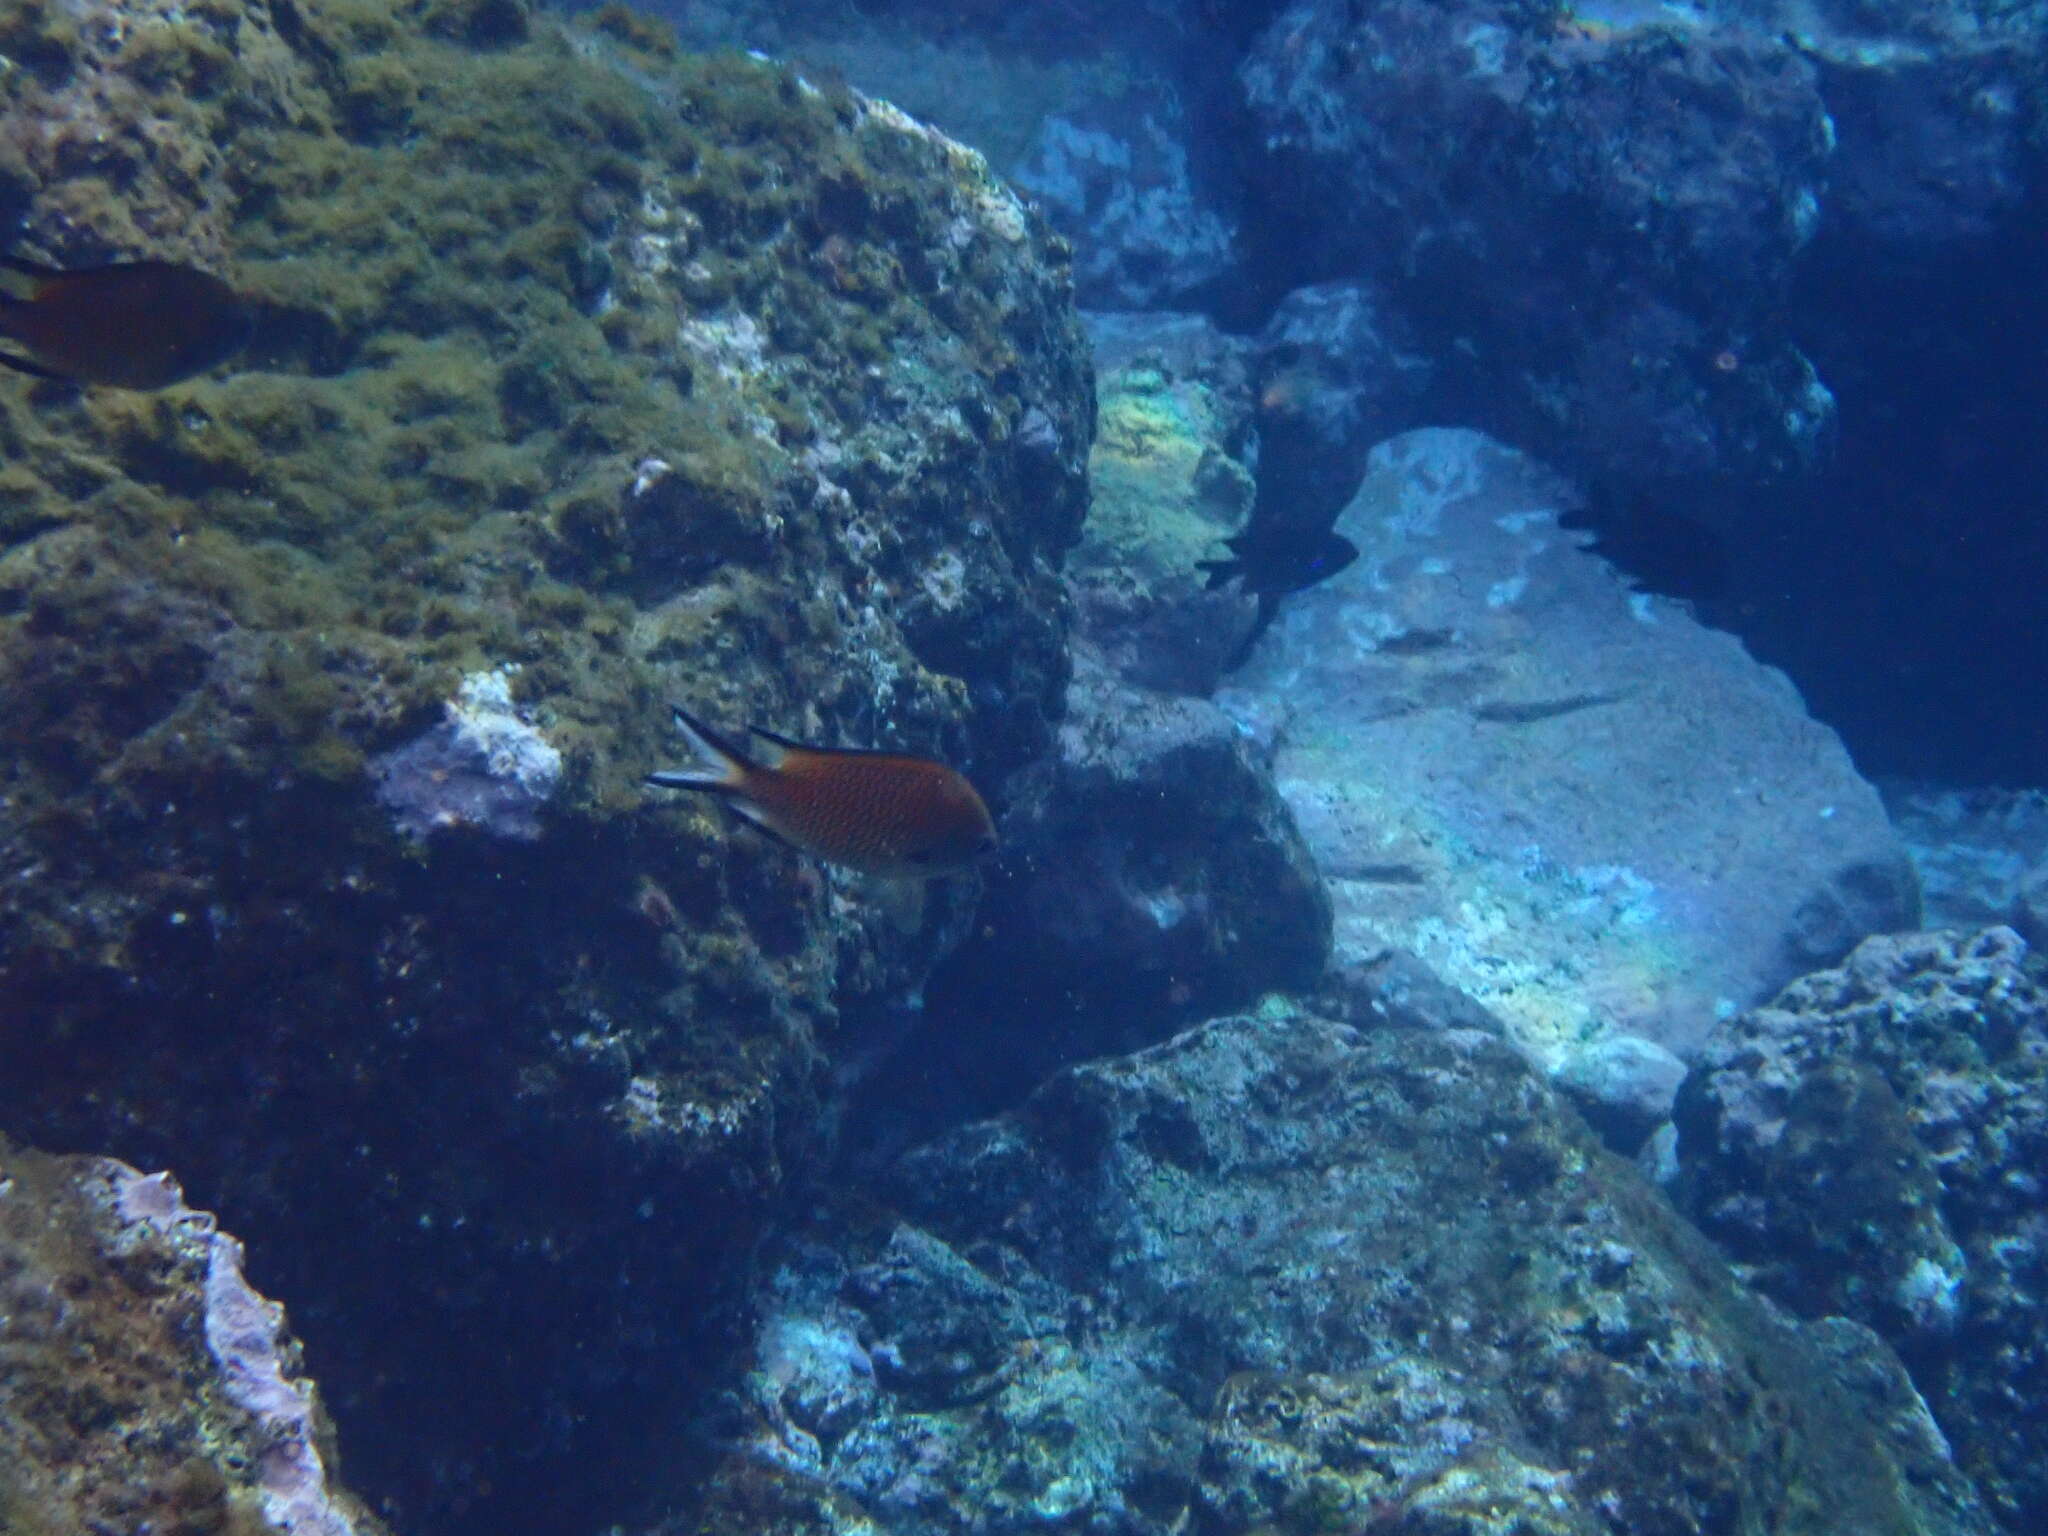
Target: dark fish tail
(722,768)
(28,268)
(1269,609)
(11,309)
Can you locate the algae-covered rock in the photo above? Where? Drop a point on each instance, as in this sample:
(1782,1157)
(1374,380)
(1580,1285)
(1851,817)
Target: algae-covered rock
(1871,1144)
(1170,480)
(144,1386)
(1278,1274)
(590,376)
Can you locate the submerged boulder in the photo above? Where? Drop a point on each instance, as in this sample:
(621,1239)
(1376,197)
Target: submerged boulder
(590,377)
(1571,800)
(1154,876)
(1871,1144)
(144,1386)
(1279,1273)
(1585,210)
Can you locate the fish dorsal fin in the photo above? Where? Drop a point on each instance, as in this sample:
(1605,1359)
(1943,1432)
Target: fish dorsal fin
(783,746)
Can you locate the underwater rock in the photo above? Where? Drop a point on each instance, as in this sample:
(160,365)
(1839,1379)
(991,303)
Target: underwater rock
(1170,479)
(1871,1144)
(1586,211)
(482,767)
(1152,875)
(1624,1086)
(1279,1272)
(1393,987)
(659,378)
(1979,851)
(1566,798)
(1930,108)
(1339,371)
(145,1386)
(1122,178)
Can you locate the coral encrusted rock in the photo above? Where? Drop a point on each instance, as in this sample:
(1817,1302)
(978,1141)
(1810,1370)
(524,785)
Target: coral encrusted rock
(1278,1273)
(144,1386)
(1571,800)
(590,377)
(1873,1144)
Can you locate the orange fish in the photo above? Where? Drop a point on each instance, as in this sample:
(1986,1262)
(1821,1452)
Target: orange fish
(872,811)
(136,325)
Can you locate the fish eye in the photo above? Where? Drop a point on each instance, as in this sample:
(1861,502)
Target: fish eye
(987,845)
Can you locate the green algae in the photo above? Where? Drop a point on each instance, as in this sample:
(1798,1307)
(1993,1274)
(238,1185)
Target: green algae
(472,343)
(474,384)
(1166,492)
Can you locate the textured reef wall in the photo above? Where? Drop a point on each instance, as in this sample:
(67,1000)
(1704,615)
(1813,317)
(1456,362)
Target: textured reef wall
(1278,1275)
(1869,1145)
(589,376)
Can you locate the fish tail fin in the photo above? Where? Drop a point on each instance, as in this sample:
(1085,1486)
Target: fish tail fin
(1269,607)
(1219,572)
(11,305)
(29,268)
(37,278)
(721,767)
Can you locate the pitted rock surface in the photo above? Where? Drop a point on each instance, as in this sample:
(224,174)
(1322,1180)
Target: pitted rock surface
(1280,1272)
(1871,1144)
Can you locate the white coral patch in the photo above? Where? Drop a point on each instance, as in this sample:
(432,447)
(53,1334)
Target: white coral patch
(512,751)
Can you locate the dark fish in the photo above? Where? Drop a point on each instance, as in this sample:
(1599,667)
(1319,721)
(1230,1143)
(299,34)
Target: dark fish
(872,811)
(135,325)
(1270,563)
(1659,549)
(1278,561)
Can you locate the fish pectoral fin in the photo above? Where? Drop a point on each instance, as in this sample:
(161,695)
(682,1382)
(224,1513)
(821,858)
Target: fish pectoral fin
(23,365)
(901,902)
